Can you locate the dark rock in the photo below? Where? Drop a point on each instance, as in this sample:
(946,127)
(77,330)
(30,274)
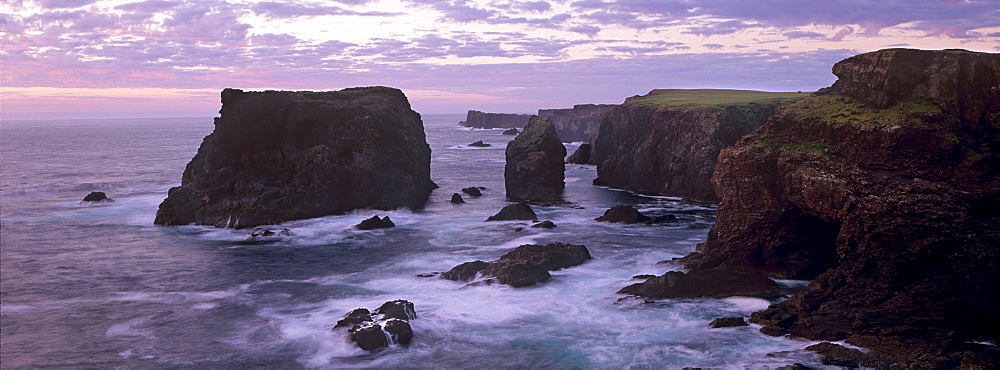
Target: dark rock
(510,131)
(466,271)
(544,225)
(479,119)
(480,144)
(644,276)
(519,211)
(577,124)
(457,198)
(473,191)
(369,336)
(353,318)
(838,355)
(398,309)
(398,332)
(535,171)
(581,155)
(97,196)
(552,256)
(629,215)
(517,274)
(773,331)
(428,275)
(664,143)
(375,223)
(705,283)
(727,322)
(518,229)
(883,191)
(264,232)
(283,155)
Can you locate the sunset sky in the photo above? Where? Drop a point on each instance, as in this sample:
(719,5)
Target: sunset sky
(160,58)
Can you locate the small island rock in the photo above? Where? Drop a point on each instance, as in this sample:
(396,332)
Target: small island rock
(457,198)
(518,211)
(375,223)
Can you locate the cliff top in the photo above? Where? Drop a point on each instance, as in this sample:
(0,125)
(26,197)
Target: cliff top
(370,97)
(712,97)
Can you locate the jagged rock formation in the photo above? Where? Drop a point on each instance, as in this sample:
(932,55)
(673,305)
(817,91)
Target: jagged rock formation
(282,155)
(630,215)
(576,124)
(535,171)
(705,283)
(388,325)
(667,141)
(479,119)
(524,266)
(375,223)
(885,189)
(581,155)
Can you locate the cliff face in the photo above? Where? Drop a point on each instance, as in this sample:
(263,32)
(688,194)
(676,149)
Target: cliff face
(667,142)
(281,155)
(534,171)
(479,119)
(576,124)
(885,189)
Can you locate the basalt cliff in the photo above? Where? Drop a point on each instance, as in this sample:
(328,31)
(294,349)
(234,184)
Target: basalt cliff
(477,119)
(885,190)
(282,155)
(667,142)
(535,171)
(578,123)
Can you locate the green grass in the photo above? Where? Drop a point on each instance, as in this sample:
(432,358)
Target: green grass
(714,97)
(830,106)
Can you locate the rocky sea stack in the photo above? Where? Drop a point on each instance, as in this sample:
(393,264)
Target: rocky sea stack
(885,189)
(535,169)
(667,142)
(283,155)
(477,119)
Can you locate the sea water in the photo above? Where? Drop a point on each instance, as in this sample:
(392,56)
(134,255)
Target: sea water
(98,285)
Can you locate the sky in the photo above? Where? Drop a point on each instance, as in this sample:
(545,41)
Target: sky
(163,58)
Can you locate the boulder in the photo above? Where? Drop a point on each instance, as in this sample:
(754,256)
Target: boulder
(534,171)
(398,309)
(398,331)
(267,232)
(838,355)
(727,322)
(465,272)
(524,266)
(518,211)
(705,283)
(97,196)
(473,191)
(510,131)
(375,223)
(581,155)
(353,318)
(276,156)
(517,274)
(629,215)
(369,336)
(550,257)
(544,225)
(480,144)
(457,198)
(388,325)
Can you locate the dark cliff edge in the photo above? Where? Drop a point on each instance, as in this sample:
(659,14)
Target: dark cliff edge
(276,156)
(477,119)
(578,123)
(884,189)
(667,142)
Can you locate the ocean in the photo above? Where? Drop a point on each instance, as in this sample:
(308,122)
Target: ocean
(98,285)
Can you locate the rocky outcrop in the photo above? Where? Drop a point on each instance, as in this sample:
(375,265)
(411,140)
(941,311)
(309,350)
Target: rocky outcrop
(884,189)
(576,124)
(375,223)
(479,144)
(474,191)
(388,325)
(629,215)
(524,266)
(477,119)
(667,141)
(519,211)
(727,322)
(282,155)
(510,131)
(535,171)
(97,197)
(581,155)
(457,198)
(715,283)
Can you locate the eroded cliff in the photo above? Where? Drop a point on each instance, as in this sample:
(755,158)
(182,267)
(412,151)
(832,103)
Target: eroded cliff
(578,123)
(667,142)
(885,189)
(282,155)
(479,119)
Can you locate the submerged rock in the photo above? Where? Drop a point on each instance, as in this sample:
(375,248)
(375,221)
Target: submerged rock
(524,266)
(276,156)
(705,283)
(544,225)
(375,223)
(510,131)
(629,215)
(265,233)
(519,211)
(480,144)
(97,196)
(457,198)
(473,191)
(727,322)
(534,171)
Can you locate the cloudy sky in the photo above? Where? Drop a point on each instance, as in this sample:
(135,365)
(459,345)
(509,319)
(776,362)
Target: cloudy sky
(152,58)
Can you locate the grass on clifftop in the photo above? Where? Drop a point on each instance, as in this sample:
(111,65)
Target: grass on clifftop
(830,106)
(714,97)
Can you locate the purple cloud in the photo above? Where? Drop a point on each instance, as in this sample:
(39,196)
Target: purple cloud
(842,33)
(61,4)
(714,46)
(804,35)
(722,28)
(586,30)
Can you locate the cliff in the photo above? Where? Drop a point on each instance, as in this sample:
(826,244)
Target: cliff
(576,124)
(282,155)
(667,141)
(535,171)
(479,119)
(885,189)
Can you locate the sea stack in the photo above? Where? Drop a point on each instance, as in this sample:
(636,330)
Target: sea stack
(283,155)
(667,142)
(885,190)
(477,119)
(535,169)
